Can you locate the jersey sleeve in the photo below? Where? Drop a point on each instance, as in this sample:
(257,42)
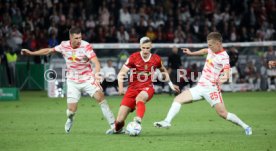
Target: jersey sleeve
(130,62)
(58,48)
(159,62)
(89,52)
(225,63)
(209,51)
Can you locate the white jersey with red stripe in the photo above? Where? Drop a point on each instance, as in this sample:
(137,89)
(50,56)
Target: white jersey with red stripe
(77,60)
(214,66)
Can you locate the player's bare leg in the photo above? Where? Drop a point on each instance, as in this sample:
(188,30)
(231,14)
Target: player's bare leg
(99,96)
(221,111)
(70,112)
(183,98)
(141,100)
(120,121)
(122,115)
(124,111)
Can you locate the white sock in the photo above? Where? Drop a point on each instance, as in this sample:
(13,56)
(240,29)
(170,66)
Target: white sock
(175,108)
(233,118)
(70,114)
(107,113)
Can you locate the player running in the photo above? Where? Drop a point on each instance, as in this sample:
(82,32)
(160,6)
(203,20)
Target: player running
(80,78)
(142,65)
(215,72)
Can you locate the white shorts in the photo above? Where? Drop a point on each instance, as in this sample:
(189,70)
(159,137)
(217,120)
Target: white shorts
(211,94)
(74,90)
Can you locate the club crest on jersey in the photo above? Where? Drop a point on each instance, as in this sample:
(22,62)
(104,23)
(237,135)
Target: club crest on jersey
(73,57)
(146,67)
(210,61)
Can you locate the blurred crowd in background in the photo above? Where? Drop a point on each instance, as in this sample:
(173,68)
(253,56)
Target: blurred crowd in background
(42,23)
(35,24)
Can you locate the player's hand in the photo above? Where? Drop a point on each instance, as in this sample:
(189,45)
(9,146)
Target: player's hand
(218,83)
(121,91)
(176,88)
(99,79)
(26,52)
(271,64)
(186,51)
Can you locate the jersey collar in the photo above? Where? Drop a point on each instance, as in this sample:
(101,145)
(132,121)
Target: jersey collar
(72,46)
(220,51)
(143,58)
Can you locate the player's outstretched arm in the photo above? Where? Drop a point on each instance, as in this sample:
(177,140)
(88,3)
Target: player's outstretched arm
(40,52)
(196,53)
(166,76)
(121,75)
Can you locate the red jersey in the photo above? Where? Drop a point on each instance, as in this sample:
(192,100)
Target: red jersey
(142,71)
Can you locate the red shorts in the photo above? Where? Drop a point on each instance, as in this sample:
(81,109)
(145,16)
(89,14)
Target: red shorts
(131,94)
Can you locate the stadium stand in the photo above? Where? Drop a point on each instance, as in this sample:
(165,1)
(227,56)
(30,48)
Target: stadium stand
(44,23)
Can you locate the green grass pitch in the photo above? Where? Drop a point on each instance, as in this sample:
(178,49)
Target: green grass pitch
(36,123)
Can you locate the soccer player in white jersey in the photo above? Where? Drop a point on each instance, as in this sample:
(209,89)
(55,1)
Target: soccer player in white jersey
(80,77)
(215,72)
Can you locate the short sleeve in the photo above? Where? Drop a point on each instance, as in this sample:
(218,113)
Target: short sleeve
(159,62)
(130,62)
(209,51)
(225,63)
(58,48)
(89,52)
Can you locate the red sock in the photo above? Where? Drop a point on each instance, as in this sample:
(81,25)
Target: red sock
(141,108)
(119,125)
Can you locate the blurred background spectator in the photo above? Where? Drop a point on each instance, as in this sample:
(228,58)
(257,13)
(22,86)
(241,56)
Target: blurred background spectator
(253,76)
(184,21)
(271,73)
(233,56)
(42,23)
(174,63)
(110,78)
(11,57)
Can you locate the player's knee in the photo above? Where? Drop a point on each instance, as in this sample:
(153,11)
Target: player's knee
(183,98)
(177,99)
(222,113)
(99,96)
(72,109)
(180,100)
(140,98)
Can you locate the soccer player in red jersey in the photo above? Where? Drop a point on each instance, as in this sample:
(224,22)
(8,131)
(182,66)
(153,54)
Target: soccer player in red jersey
(142,65)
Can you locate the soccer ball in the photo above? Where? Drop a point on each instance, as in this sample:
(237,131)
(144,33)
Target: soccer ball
(133,129)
